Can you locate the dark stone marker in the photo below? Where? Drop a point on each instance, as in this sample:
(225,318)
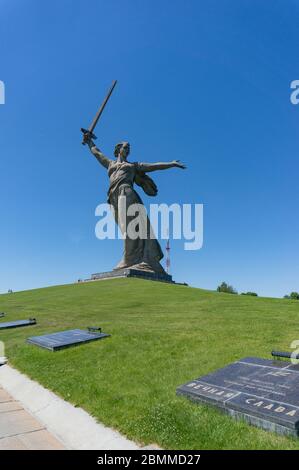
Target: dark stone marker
(17,323)
(284,355)
(2,314)
(66,339)
(263,392)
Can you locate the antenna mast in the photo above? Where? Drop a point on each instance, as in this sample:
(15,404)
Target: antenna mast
(168,256)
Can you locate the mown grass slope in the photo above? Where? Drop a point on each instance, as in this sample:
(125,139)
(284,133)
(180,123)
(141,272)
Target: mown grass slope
(162,336)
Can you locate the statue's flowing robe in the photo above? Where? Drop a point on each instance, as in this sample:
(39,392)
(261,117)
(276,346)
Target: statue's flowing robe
(140,253)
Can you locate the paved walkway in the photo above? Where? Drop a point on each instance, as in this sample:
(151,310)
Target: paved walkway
(73,426)
(19,430)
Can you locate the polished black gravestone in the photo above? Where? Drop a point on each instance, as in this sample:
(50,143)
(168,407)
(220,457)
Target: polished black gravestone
(66,339)
(263,392)
(17,323)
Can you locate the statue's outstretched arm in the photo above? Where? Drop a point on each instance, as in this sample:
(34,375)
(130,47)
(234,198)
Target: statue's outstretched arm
(148,167)
(98,154)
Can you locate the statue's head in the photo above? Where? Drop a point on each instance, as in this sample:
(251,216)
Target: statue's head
(122,149)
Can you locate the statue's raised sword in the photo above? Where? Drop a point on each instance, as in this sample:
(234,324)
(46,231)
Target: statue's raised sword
(89,132)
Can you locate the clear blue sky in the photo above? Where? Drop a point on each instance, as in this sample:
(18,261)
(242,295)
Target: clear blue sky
(203,81)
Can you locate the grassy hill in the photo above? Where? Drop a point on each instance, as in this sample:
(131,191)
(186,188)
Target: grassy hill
(162,336)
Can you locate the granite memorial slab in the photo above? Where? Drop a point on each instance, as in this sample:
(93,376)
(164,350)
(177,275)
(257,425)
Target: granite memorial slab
(17,323)
(66,339)
(263,392)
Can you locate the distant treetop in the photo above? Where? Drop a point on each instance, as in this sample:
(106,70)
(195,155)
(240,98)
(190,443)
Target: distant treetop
(293,296)
(224,287)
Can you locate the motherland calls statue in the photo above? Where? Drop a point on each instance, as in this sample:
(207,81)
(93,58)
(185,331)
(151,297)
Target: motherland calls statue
(139,253)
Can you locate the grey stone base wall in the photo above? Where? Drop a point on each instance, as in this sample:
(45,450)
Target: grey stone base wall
(128,272)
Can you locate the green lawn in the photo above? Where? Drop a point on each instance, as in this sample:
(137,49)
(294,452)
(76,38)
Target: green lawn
(162,336)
